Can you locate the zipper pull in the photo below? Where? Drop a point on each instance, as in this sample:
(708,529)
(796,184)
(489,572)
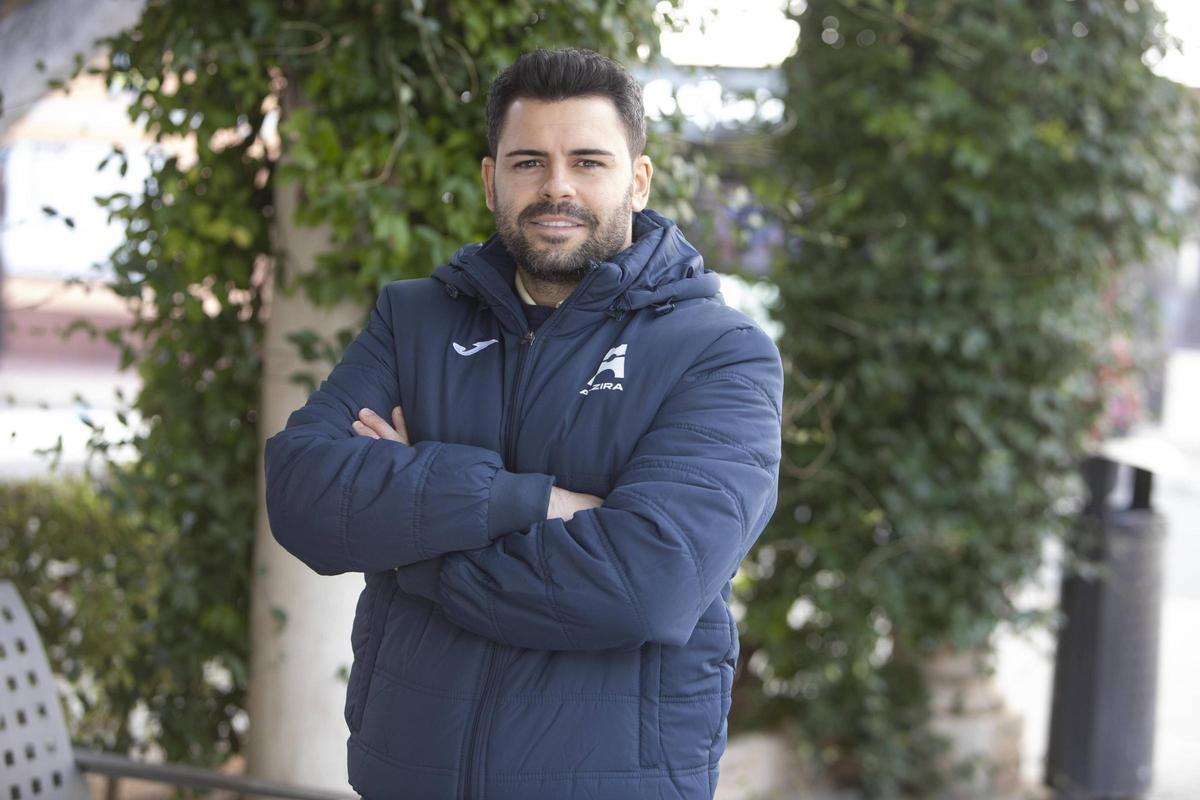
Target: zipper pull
(528,337)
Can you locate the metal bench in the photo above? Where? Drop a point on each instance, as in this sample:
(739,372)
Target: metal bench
(37,761)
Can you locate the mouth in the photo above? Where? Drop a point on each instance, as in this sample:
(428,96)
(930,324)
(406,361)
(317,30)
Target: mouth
(556,223)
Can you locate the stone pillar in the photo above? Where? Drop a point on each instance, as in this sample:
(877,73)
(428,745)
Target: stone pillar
(984,736)
(763,764)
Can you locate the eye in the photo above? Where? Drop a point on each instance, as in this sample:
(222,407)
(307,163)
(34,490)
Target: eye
(590,164)
(533,162)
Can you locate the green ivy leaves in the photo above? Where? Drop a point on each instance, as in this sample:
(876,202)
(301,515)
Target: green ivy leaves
(967,181)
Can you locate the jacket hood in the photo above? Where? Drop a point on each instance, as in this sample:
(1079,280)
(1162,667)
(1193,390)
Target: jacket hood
(659,269)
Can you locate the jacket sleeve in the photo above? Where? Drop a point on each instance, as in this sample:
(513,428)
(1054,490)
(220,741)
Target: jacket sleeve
(341,502)
(685,509)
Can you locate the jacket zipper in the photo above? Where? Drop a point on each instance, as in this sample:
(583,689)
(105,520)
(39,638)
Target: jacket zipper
(527,341)
(471,774)
(466,788)
(510,427)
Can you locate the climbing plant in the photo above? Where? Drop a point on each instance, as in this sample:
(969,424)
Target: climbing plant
(376,111)
(963,182)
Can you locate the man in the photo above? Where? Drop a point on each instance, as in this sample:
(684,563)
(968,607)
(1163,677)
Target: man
(548,459)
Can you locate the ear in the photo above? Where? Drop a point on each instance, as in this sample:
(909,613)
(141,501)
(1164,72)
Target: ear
(488,172)
(643,172)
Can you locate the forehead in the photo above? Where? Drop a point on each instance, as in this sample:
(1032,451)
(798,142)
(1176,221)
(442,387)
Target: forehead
(576,122)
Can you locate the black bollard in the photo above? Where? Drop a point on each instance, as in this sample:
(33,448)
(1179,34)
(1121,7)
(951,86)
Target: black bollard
(1106,667)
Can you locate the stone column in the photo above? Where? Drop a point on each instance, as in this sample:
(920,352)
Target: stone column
(984,736)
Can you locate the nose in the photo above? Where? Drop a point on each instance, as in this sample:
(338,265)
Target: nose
(557,184)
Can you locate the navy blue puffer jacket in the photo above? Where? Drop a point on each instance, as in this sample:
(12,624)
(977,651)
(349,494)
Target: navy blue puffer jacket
(497,654)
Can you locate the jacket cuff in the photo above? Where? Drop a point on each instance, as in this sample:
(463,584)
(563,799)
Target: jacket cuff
(420,578)
(517,500)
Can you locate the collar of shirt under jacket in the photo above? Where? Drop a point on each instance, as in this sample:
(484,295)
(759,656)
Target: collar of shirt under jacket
(523,294)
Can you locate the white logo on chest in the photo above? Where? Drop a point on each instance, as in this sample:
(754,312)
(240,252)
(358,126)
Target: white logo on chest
(614,362)
(464,351)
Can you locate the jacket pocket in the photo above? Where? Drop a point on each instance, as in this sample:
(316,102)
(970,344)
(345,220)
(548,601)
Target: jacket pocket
(364,662)
(649,689)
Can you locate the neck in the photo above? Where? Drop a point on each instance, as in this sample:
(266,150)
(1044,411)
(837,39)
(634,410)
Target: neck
(545,293)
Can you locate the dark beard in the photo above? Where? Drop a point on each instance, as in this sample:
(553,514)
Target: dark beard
(605,239)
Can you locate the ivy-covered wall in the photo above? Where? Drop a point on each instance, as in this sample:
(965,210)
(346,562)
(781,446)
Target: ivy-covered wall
(963,181)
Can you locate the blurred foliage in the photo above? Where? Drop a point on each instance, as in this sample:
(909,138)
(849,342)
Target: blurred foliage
(963,181)
(376,111)
(83,574)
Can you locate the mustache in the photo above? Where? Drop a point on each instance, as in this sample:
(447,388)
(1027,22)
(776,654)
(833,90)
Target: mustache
(565,209)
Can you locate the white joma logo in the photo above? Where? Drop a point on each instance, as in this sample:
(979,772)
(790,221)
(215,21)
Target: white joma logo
(465,351)
(614,362)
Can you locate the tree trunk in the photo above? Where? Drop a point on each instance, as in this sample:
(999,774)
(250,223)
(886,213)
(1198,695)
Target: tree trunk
(300,621)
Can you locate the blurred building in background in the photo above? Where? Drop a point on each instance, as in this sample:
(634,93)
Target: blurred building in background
(54,239)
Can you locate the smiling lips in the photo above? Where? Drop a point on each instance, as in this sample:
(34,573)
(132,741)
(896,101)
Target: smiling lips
(559,223)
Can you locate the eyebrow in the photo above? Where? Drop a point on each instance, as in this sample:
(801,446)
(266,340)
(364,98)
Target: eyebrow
(584,151)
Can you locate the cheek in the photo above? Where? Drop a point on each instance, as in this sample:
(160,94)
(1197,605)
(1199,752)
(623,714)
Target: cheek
(501,199)
(512,194)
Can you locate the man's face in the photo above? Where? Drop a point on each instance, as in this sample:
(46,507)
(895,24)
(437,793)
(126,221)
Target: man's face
(562,186)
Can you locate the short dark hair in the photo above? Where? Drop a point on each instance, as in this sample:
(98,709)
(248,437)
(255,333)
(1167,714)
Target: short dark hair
(554,75)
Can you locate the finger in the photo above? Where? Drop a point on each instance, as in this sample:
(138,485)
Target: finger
(363,430)
(377,425)
(401,426)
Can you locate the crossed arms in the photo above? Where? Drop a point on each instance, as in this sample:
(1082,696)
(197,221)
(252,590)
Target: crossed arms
(487,546)
(563,502)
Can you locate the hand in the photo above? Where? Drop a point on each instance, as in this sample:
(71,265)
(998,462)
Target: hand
(371,424)
(564,503)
